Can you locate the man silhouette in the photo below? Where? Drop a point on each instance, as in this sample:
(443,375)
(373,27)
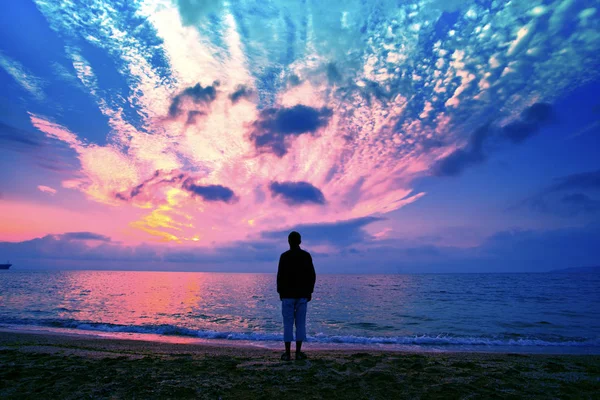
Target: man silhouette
(295,284)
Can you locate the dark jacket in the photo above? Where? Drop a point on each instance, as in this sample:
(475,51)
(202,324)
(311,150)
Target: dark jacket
(296,274)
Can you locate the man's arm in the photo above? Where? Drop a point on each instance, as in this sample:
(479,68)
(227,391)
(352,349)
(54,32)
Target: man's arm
(313,275)
(279,274)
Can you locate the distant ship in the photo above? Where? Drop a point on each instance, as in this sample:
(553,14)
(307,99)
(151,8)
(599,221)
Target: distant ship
(5,266)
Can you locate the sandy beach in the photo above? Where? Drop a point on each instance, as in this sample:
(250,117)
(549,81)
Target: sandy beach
(69,367)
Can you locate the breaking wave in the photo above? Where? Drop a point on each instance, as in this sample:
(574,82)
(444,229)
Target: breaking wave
(419,340)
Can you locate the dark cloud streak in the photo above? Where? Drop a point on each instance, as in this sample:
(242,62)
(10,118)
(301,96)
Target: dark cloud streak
(45,153)
(209,192)
(196,93)
(457,161)
(295,193)
(84,236)
(567,196)
(188,183)
(581,203)
(532,120)
(275,125)
(19,139)
(241,91)
(339,234)
(580,181)
(507,251)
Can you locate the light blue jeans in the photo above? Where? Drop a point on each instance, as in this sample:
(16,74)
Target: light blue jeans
(294,310)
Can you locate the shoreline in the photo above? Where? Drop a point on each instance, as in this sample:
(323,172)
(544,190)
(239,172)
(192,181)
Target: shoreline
(59,366)
(313,345)
(147,339)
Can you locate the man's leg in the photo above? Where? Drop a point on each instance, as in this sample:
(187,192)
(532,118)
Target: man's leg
(287,310)
(300,318)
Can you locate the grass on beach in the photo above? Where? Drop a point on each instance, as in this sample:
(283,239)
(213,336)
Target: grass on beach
(33,366)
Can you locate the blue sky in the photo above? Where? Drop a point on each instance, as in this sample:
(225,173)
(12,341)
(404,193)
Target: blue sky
(416,137)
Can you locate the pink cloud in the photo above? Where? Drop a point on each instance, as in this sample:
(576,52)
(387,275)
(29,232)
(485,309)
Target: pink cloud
(357,177)
(46,189)
(361,157)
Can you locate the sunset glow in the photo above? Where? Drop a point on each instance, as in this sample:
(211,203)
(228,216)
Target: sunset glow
(430,133)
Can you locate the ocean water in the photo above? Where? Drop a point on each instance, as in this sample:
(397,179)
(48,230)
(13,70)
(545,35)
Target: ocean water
(438,312)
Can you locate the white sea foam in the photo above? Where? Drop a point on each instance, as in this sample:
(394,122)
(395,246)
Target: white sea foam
(417,340)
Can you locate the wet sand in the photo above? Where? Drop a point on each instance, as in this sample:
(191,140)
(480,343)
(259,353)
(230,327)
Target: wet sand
(73,367)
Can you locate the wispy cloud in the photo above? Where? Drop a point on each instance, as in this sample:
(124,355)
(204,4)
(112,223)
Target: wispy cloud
(326,105)
(568,196)
(26,79)
(46,189)
(532,119)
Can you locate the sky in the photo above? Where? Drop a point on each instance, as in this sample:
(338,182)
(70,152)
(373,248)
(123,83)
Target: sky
(411,136)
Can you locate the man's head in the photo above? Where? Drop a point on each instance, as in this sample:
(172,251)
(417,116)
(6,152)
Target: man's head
(294,239)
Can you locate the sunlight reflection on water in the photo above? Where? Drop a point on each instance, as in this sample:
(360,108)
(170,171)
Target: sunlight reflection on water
(437,308)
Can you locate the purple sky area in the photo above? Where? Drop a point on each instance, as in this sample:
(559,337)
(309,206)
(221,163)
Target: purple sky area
(431,136)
